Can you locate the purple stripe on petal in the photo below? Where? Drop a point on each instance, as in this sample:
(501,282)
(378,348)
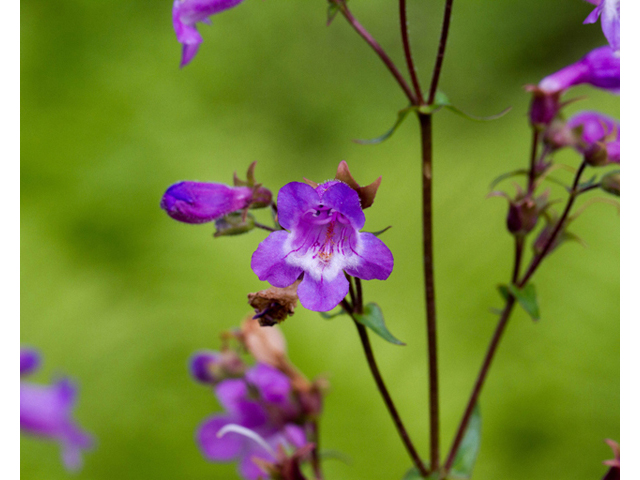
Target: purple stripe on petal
(29,361)
(225,449)
(268,261)
(345,199)
(294,200)
(320,295)
(376,260)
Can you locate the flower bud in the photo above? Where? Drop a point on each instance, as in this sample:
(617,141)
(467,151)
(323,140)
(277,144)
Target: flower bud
(522,216)
(29,361)
(598,137)
(199,202)
(611,183)
(600,68)
(544,106)
(213,367)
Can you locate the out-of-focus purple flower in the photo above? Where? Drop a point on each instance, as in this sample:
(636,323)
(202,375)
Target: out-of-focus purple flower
(199,202)
(600,68)
(262,402)
(599,137)
(609,13)
(213,367)
(29,361)
(614,471)
(186,13)
(46,411)
(324,239)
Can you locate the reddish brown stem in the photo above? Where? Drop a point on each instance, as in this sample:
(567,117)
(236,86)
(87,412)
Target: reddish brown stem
(444,35)
(404,30)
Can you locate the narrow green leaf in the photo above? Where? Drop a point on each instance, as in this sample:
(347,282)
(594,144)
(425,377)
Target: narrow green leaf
(380,232)
(329,316)
(527,299)
(402,114)
(372,318)
(504,176)
(467,454)
(504,292)
(332,11)
(475,118)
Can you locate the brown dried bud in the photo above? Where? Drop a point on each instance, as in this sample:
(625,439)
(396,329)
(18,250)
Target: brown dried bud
(274,304)
(522,216)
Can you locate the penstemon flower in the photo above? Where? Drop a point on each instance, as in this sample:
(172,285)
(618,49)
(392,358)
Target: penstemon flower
(261,402)
(322,241)
(186,13)
(609,13)
(199,202)
(45,411)
(600,68)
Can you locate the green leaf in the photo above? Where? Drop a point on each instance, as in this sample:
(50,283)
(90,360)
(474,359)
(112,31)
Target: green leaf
(380,232)
(504,176)
(526,297)
(467,453)
(372,317)
(332,11)
(414,474)
(402,114)
(442,101)
(329,316)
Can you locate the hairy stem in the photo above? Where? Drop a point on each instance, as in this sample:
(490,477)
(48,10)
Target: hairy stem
(444,34)
(404,30)
(315,459)
(427,238)
(342,5)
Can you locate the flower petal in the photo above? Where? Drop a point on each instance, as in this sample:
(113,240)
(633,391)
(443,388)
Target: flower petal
(192,11)
(224,449)
(595,13)
(320,295)
(273,385)
(294,200)
(344,199)
(295,435)
(248,469)
(231,392)
(268,261)
(376,260)
(611,22)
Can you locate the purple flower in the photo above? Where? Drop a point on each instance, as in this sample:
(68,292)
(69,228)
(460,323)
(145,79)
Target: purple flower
(324,239)
(45,411)
(199,202)
(261,402)
(600,68)
(609,13)
(186,13)
(599,136)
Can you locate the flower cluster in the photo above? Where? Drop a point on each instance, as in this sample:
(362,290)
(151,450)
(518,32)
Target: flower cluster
(46,410)
(268,406)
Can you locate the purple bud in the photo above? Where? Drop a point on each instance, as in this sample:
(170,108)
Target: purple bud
(544,106)
(600,68)
(198,202)
(213,367)
(599,137)
(522,216)
(29,361)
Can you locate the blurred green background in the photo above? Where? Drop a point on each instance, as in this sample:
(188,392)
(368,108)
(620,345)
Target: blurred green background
(117,295)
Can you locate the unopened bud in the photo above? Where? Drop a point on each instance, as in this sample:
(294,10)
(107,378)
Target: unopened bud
(544,106)
(611,183)
(213,367)
(522,216)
